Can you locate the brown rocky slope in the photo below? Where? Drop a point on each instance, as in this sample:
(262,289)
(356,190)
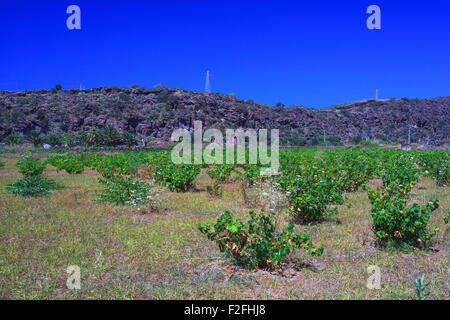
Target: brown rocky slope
(157,112)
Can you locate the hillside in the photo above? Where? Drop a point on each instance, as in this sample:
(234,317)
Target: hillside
(157,112)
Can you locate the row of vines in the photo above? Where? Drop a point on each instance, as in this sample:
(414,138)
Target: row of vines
(314,183)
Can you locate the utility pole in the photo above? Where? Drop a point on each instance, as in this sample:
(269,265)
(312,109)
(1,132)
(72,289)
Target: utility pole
(207,84)
(409,132)
(376,94)
(324,143)
(409,135)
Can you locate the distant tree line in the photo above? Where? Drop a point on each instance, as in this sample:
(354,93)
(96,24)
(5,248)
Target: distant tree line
(107,136)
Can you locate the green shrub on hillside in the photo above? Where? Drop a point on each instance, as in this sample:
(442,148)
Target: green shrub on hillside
(13,139)
(106,136)
(22,100)
(129,139)
(35,138)
(54,139)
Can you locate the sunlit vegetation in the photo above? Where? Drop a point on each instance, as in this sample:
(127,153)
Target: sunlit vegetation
(140,226)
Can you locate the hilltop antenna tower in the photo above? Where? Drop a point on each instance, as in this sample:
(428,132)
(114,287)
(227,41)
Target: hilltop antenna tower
(376,94)
(207,84)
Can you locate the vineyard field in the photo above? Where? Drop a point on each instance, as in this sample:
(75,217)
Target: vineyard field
(141,227)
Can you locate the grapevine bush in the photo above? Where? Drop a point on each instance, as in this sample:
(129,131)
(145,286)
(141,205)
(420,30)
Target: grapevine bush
(30,166)
(220,173)
(126,190)
(436,165)
(32,186)
(176,177)
(256,243)
(397,225)
(72,164)
(310,192)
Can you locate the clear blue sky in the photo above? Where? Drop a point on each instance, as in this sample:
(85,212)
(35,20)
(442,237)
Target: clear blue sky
(314,53)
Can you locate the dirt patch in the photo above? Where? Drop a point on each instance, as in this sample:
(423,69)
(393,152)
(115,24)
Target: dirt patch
(63,173)
(9,173)
(373,183)
(15,173)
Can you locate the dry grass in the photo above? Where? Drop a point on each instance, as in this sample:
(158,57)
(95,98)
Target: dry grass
(126,255)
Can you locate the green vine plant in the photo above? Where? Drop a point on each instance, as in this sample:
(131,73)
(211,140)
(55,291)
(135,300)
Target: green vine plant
(256,243)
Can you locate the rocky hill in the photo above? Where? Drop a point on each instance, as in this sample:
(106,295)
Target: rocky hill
(157,112)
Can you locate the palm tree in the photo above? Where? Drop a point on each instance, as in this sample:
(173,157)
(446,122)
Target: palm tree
(35,138)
